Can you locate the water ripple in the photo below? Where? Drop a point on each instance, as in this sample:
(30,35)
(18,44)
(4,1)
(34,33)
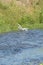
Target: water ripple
(21,48)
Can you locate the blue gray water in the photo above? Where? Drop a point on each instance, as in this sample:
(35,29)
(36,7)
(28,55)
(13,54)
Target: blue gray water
(21,48)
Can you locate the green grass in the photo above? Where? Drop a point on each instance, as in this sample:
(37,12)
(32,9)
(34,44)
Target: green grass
(11,15)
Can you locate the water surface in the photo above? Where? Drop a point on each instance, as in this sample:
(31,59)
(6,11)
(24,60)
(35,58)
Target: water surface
(21,48)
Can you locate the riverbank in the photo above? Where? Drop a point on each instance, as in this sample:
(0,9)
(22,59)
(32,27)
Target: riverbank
(12,14)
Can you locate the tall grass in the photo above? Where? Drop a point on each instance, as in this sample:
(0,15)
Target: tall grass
(11,15)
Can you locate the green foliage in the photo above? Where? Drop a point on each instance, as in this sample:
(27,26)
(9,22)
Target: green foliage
(2,6)
(26,20)
(40,18)
(11,15)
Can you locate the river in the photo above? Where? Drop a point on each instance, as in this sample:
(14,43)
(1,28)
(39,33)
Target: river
(21,48)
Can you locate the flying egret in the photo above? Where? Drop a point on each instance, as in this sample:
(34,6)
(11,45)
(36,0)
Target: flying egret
(21,28)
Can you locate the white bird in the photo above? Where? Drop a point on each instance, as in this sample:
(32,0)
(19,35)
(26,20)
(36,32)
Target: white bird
(21,28)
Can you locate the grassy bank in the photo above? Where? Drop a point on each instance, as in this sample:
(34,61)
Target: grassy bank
(12,14)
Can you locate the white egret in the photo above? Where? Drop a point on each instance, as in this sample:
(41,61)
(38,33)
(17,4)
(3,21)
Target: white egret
(21,28)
